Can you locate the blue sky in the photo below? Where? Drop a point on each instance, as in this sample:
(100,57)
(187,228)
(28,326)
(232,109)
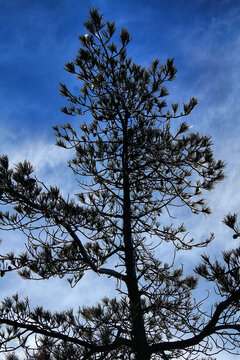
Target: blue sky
(37,37)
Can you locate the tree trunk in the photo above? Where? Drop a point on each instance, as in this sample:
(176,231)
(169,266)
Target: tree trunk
(138,329)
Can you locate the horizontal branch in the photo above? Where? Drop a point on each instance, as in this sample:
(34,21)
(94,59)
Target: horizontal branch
(209,329)
(60,336)
(113,273)
(228,327)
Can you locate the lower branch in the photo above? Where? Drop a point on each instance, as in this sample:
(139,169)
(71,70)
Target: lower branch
(208,330)
(56,335)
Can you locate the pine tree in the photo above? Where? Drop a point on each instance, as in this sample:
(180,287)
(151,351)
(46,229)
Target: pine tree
(134,162)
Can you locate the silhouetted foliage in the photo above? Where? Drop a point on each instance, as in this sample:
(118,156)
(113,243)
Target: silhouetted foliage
(134,163)
(41,354)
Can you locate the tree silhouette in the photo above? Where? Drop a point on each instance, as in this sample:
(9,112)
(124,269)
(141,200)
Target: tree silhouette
(134,163)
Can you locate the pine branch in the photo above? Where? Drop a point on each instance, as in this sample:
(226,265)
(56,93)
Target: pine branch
(208,330)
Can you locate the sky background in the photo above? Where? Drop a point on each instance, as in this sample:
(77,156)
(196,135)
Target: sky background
(37,37)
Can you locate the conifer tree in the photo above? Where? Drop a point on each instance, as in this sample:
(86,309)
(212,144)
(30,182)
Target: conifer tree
(135,161)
